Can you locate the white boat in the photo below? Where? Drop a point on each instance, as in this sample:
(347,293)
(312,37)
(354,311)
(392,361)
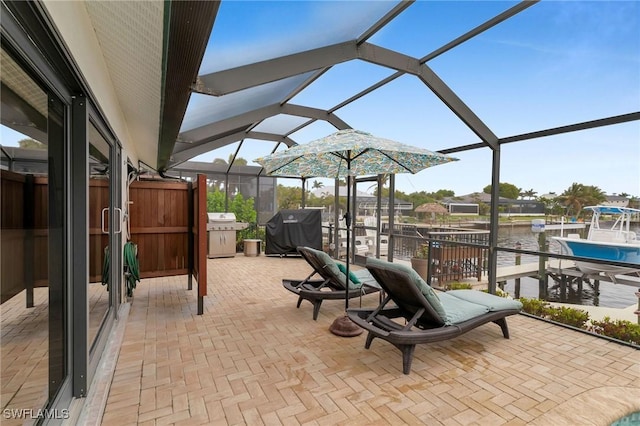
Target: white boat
(617,243)
(372,222)
(362,246)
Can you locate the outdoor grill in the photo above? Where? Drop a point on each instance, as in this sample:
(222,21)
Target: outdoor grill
(222,228)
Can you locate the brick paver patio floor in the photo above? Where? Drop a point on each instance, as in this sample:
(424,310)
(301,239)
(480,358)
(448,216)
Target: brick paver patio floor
(253,358)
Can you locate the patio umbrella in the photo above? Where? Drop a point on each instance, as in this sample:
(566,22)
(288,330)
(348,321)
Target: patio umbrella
(349,153)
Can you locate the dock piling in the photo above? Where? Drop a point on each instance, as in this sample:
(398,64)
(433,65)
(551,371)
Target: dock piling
(518,262)
(638,311)
(542,269)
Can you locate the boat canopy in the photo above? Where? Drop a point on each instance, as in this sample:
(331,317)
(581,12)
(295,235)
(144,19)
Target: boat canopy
(612,210)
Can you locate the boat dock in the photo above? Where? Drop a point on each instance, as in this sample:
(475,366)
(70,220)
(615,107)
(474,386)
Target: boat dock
(571,271)
(505,273)
(565,274)
(557,268)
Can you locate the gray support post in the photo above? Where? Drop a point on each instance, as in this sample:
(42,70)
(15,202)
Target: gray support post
(226,192)
(379,215)
(256,205)
(493,220)
(79,231)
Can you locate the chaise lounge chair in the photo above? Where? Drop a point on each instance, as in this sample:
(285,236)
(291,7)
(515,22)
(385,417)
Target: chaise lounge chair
(332,282)
(425,316)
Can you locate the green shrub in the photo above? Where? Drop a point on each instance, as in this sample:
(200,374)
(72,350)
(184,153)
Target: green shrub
(622,330)
(536,307)
(456,285)
(570,316)
(499,292)
(618,329)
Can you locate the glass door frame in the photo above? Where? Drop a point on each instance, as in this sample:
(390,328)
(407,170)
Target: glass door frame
(95,349)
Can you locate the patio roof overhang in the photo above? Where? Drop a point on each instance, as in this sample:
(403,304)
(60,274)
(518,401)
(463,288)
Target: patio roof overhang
(188,30)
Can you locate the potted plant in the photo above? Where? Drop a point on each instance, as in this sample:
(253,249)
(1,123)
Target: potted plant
(420,260)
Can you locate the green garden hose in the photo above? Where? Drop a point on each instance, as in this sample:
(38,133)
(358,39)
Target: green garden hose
(105,266)
(131,267)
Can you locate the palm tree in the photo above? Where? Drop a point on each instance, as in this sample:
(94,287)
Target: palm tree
(578,196)
(317,184)
(572,198)
(593,195)
(530,194)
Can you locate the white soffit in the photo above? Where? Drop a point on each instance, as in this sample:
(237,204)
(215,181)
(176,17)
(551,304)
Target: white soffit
(130,34)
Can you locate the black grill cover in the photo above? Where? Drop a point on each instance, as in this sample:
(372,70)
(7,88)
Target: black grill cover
(289,229)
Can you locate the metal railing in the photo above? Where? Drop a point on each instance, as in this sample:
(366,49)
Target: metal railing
(453,255)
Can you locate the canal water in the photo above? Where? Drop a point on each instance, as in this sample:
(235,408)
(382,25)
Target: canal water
(608,294)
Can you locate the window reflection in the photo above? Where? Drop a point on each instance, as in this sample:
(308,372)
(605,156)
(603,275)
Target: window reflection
(25,275)
(99,259)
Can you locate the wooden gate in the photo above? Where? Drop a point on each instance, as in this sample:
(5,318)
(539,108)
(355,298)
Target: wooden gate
(159,223)
(162,214)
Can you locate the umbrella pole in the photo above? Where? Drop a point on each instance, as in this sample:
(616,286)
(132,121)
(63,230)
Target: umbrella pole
(343,326)
(347,222)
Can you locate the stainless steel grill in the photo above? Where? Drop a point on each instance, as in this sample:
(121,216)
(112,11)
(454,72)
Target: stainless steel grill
(222,228)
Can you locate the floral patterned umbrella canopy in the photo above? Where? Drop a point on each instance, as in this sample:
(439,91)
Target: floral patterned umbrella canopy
(350,153)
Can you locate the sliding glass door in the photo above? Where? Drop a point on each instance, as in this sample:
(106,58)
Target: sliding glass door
(61,223)
(33,290)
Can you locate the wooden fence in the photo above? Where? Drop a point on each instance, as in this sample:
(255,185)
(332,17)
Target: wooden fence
(159,216)
(24,233)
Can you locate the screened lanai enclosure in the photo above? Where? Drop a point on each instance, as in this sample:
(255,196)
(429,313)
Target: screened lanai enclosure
(458,80)
(98,97)
(417,72)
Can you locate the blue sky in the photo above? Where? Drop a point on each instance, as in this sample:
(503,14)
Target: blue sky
(556,63)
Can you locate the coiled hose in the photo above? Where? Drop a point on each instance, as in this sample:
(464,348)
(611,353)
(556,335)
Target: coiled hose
(131,267)
(105,266)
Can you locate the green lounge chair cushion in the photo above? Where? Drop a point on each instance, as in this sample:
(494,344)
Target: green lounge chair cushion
(459,310)
(491,301)
(424,288)
(330,264)
(365,277)
(352,276)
